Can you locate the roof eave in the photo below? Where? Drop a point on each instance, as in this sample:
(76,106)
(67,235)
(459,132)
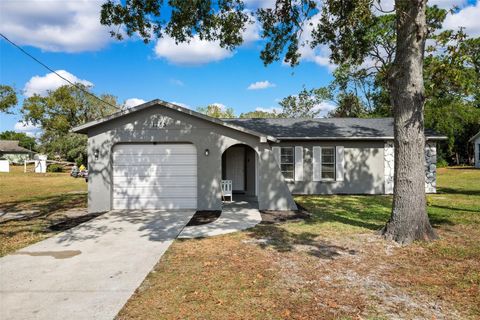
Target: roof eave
(355,138)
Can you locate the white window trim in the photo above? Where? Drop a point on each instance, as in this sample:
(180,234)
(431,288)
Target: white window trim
(320,163)
(334,165)
(293,163)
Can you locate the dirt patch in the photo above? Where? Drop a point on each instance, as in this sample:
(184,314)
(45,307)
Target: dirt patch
(73,221)
(279,216)
(204,217)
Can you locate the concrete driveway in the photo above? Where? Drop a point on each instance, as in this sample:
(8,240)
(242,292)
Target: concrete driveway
(90,271)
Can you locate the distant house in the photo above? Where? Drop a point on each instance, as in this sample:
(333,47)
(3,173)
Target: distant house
(11,151)
(476,148)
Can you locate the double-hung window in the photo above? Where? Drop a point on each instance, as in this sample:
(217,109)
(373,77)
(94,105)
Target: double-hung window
(328,163)
(287,162)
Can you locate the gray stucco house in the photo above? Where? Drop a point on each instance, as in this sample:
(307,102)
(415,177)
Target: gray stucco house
(11,151)
(476,149)
(162,156)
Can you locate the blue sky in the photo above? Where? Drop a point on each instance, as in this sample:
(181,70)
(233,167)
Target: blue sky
(66,36)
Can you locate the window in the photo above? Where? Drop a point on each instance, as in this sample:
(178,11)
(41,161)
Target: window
(287,163)
(328,163)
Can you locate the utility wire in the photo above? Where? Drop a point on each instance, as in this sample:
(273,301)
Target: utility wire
(56,73)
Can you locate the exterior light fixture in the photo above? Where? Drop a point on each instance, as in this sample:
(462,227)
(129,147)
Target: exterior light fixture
(95,154)
(207,152)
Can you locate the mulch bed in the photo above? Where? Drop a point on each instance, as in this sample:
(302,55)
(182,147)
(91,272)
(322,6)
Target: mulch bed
(204,217)
(276,216)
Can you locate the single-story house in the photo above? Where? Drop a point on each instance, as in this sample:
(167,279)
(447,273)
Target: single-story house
(11,151)
(159,155)
(476,149)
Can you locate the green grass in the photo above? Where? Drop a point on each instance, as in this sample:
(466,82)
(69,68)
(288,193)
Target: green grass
(44,197)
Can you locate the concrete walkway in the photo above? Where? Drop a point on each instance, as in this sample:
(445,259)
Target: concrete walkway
(90,271)
(236,216)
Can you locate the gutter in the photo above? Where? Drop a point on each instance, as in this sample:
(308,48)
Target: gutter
(354,138)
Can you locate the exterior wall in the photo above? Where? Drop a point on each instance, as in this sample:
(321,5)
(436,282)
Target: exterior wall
(363,172)
(430,167)
(15,157)
(476,146)
(163,125)
(250,172)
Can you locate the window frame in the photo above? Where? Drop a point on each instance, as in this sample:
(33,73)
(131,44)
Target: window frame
(334,164)
(288,163)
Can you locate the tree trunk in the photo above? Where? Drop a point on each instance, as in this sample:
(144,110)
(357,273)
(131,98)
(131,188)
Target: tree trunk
(409,219)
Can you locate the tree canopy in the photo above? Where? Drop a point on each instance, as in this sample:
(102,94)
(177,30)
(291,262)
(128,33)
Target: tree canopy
(61,110)
(217,111)
(8,98)
(25,141)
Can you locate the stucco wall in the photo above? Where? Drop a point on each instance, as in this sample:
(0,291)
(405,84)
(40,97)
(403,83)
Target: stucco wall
(163,125)
(364,171)
(476,145)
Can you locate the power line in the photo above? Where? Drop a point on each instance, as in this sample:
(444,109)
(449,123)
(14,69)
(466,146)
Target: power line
(56,73)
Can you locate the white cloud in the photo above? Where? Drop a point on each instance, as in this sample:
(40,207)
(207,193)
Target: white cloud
(181,104)
(220,105)
(468,17)
(269,110)
(132,102)
(196,52)
(28,128)
(259,85)
(325,107)
(67,26)
(177,82)
(42,84)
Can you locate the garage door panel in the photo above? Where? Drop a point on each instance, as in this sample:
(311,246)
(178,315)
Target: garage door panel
(154,170)
(129,159)
(154,176)
(154,204)
(155,191)
(161,181)
(141,149)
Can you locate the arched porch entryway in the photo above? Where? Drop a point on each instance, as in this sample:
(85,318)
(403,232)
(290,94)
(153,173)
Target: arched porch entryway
(239,165)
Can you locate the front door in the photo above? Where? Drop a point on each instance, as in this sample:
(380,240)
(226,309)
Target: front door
(235,167)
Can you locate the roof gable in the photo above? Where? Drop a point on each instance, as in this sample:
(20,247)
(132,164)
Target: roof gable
(156,103)
(12,146)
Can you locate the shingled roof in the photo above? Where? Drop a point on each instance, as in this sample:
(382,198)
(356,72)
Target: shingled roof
(325,128)
(11,146)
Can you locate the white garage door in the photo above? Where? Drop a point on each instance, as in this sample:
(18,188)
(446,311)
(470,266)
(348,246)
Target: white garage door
(147,176)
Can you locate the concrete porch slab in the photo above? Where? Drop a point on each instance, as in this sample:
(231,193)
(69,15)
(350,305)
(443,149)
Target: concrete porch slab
(236,216)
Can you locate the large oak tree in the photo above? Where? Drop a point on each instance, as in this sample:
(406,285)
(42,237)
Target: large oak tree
(344,26)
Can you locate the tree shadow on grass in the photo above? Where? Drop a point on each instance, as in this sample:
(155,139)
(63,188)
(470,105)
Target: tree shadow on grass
(41,207)
(273,236)
(458,191)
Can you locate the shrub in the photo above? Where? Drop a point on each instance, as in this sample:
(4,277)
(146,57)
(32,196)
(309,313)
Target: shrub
(442,163)
(55,168)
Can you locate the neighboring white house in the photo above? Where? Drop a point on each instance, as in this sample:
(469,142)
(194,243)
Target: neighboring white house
(11,151)
(476,149)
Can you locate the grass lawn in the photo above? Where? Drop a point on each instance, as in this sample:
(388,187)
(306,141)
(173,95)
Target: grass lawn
(330,266)
(41,199)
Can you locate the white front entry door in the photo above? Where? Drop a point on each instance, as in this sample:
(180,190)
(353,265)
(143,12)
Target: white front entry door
(235,167)
(148,176)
